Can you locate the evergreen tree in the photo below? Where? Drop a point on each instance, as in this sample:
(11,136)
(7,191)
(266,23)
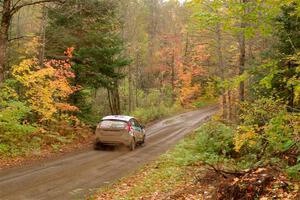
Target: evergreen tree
(286,74)
(93,29)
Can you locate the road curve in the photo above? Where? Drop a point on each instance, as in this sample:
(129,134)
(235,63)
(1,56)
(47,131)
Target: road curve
(74,176)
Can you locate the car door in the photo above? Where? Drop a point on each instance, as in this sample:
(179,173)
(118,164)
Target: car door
(142,128)
(137,129)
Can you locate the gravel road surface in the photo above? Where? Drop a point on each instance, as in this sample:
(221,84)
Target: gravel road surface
(76,175)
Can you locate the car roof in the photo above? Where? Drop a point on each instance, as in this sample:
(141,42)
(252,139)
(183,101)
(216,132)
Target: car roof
(118,117)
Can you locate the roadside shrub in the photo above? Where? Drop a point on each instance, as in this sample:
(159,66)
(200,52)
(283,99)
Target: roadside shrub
(214,142)
(280,132)
(14,129)
(294,171)
(266,125)
(151,113)
(261,111)
(199,104)
(185,152)
(268,134)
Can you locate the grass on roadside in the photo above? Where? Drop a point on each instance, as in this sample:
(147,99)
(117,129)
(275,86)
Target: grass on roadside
(152,113)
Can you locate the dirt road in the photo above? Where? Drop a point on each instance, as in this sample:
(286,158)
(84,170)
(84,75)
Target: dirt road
(74,176)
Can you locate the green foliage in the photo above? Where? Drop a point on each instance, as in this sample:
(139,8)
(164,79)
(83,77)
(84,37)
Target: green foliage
(279,133)
(15,131)
(84,101)
(149,114)
(93,30)
(202,102)
(184,153)
(266,134)
(7,91)
(281,80)
(279,76)
(265,122)
(287,28)
(199,104)
(211,89)
(269,128)
(21,129)
(294,171)
(155,104)
(260,111)
(214,142)
(154,97)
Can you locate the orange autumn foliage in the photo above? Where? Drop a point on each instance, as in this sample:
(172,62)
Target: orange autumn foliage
(186,89)
(46,88)
(182,65)
(187,71)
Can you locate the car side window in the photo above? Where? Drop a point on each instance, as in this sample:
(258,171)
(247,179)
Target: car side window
(133,122)
(137,123)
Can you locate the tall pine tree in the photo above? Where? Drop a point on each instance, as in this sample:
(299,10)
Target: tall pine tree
(93,29)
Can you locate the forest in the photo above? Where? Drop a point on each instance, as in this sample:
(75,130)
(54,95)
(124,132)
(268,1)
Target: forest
(64,64)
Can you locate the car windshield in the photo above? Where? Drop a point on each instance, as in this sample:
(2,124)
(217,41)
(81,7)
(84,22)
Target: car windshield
(113,124)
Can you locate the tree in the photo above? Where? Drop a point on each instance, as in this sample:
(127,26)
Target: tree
(282,73)
(94,30)
(211,19)
(46,89)
(237,33)
(8,9)
(189,70)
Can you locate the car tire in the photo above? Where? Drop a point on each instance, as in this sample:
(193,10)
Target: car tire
(132,145)
(98,146)
(144,140)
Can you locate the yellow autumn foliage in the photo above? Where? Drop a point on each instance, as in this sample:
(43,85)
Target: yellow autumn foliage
(44,89)
(245,135)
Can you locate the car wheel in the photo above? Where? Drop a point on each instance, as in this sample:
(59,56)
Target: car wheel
(144,140)
(132,145)
(98,146)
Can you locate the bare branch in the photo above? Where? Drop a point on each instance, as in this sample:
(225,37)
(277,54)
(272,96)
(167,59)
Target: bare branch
(20,37)
(17,6)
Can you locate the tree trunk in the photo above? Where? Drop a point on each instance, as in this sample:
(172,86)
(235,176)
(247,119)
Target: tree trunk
(152,31)
(4,30)
(114,100)
(242,60)
(43,36)
(109,100)
(242,66)
(224,104)
(173,75)
(130,99)
(137,79)
(229,110)
(221,68)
